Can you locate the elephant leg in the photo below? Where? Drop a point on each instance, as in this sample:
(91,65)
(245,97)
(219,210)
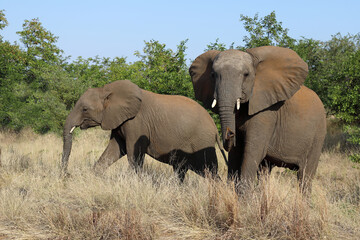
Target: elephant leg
(180,163)
(180,171)
(211,162)
(136,153)
(136,161)
(265,167)
(234,159)
(253,155)
(259,131)
(305,175)
(308,168)
(115,150)
(205,160)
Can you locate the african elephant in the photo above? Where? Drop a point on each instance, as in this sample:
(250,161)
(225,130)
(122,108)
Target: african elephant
(172,129)
(266,112)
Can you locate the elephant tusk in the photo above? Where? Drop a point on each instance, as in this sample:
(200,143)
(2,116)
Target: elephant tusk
(72,129)
(213,103)
(238,104)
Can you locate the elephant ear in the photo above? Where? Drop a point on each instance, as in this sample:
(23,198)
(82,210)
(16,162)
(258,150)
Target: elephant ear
(279,74)
(122,101)
(202,79)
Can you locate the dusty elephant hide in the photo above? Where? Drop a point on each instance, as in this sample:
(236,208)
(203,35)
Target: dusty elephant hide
(172,129)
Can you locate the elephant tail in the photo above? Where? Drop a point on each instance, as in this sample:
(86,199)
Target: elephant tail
(221,148)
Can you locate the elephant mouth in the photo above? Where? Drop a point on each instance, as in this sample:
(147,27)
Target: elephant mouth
(244,97)
(88,123)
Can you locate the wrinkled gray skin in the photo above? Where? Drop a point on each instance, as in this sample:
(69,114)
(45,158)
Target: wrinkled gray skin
(172,129)
(267,116)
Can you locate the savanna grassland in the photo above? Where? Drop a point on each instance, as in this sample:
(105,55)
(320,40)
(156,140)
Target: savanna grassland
(35,203)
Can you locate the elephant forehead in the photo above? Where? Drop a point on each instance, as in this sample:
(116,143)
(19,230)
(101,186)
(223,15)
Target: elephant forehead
(90,96)
(232,58)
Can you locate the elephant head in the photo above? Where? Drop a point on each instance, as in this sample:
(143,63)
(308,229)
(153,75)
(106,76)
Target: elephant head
(108,107)
(260,76)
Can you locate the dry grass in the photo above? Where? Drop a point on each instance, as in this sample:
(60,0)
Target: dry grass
(36,204)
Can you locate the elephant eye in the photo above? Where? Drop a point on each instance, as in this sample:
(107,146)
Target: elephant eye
(85,109)
(246,74)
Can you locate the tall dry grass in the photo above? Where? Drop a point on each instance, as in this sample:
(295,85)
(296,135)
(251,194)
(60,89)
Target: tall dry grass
(36,204)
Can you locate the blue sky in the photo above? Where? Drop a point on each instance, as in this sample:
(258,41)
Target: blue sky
(110,28)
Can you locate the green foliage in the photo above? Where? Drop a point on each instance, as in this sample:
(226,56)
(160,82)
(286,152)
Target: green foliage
(354,132)
(29,80)
(355,158)
(266,31)
(12,74)
(118,69)
(3,20)
(312,52)
(218,46)
(39,42)
(164,71)
(343,74)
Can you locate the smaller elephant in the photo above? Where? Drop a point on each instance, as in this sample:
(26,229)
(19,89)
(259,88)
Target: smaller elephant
(172,129)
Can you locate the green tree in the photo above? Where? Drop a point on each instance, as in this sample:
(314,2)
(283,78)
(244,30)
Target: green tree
(266,31)
(12,96)
(218,46)
(163,70)
(313,53)
(12,66)
(39,42)
(3,21)
(344,94)
(343,76)
(31,79)
(119,69)
(90,72)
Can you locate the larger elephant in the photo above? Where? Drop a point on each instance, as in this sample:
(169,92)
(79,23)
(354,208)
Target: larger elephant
(266,112)
(173,129)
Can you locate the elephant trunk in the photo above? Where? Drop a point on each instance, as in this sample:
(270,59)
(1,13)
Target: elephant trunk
(227,121)
(67,141)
